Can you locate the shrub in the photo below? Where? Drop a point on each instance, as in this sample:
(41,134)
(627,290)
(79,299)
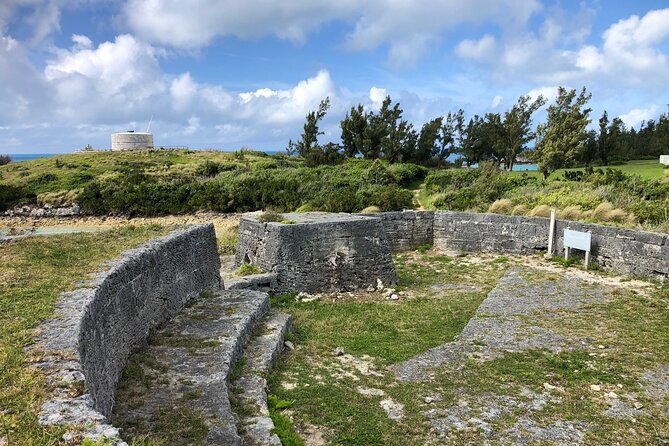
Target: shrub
(371,210)
(573,175)
(13,195)
(570,213)
(270,216)
(387,198)
(502,206)
(601,212)
(541,211)
(407,173)
(379,174)
(5,159)
(209,168)
(520,209)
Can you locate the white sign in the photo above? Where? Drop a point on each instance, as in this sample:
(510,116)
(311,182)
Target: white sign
(577,240)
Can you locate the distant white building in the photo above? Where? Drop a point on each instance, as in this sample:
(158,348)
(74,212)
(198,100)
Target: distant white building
(131,140)
(664,159)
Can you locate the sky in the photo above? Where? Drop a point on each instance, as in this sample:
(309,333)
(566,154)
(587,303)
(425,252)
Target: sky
(228,74)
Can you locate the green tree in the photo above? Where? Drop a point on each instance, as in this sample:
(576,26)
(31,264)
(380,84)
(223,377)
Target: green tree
(309,138)
(517,129)
(429,142)
(447,137)
(561,139)
(353,128)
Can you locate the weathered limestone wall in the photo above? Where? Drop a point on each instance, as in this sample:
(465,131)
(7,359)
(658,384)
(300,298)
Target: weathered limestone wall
(319,252)
(407,230)
(100,326)
(625,251)
(464,231)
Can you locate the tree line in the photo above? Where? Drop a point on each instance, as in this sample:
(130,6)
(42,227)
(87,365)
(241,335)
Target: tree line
(562,141)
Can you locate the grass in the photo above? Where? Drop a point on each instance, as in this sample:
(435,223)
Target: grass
(648,169)
(383,332)
(33,272)
(247,269)
(323,388)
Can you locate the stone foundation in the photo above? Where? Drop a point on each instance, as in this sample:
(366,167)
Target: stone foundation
(318,252)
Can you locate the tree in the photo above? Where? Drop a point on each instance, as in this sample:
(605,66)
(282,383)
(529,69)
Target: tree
(428,145)
(450,126)
(309,138)
(517,128)
(353,128)
(561,139)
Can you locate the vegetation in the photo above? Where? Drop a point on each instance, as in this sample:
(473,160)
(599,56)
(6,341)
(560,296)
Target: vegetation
(5,159)
(327,391)
(33,272)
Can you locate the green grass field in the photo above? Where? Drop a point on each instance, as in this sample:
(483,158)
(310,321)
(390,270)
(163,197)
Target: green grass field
(648,169)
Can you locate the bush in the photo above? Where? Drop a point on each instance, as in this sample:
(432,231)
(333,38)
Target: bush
(520,209)
(379,174)
(10,196)
(270,216)
(601,212)
(387,198)
(541,211)
(209,168)
(502,206)
(5,159)
(406,173)
(58,199)
(571,213)
(371,210)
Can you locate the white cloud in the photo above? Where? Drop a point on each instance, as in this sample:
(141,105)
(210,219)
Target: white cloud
(408,27)
(635,117)
(481,49)
(550,93)
(496,101)
(377,95)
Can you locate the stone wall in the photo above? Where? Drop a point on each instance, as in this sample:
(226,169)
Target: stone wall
(625,251)
(319,252)
(96,328)
(407,230)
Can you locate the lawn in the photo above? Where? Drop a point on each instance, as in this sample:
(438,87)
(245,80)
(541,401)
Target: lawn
(648,169)
(33,272)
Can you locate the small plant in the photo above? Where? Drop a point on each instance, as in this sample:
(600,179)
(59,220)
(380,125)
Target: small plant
(247,270)
(271,216)
(571,213)
(565,262)
(371,210)
(283,427)
(423,248)
(283,300)
(501,259)
(5,159)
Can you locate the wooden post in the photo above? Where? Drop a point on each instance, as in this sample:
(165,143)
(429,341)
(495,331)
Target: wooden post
(566,253)
(587,259)
(551,234)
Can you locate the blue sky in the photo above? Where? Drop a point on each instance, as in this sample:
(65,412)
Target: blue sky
(231,74)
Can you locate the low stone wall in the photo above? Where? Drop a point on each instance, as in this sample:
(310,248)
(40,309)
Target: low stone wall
(625,251)
(318,252)
(407,230)
(96,328)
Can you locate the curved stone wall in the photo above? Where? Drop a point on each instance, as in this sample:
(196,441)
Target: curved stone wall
(95,329)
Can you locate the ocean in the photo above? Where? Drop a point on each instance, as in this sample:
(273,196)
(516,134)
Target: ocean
(16,157)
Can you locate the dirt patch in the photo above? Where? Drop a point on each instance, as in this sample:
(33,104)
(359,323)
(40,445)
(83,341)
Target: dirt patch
(313,435)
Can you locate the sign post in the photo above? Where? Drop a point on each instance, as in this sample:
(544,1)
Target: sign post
(578,240)
(551,234)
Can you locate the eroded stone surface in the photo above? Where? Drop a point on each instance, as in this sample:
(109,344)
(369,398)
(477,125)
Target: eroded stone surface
(188,364)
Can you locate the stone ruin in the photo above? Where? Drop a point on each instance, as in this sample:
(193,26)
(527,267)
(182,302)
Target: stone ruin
(87,343)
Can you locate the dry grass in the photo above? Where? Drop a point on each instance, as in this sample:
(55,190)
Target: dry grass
(571,213)
(501,206)
(371,210)
(542,210)
(521,209)
(60,198)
